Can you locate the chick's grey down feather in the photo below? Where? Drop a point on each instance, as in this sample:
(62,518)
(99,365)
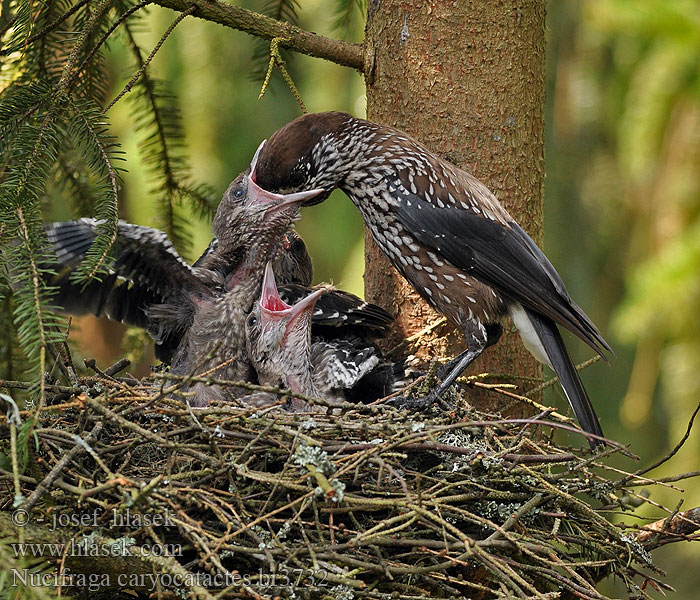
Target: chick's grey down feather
(196,313)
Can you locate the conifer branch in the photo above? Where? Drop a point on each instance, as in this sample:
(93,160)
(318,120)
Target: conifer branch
(345,13)
(34,270)
(51,26)
(81,192)
(109,227)
(276,60)
(25,180)
(22,22)
(66,75)
(162,148)
(144,66)
(106,35)
(37,300)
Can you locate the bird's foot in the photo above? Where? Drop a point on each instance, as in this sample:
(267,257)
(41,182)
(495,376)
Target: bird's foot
(420,402)
(444,369)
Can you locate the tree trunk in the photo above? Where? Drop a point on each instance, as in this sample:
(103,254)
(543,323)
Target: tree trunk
(467,79)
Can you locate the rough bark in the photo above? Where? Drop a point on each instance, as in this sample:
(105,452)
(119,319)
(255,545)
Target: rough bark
(467,79)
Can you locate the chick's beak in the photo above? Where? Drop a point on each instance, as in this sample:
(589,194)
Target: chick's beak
(275,312)
(270,300)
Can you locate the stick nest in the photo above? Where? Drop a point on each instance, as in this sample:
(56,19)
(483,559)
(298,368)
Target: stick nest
(370,503)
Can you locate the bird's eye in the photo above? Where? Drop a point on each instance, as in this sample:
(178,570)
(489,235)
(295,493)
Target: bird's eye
(252,321)
(238,192)
(297,177)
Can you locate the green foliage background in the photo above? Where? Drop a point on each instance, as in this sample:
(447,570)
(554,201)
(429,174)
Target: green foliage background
(622,189)
(622,210)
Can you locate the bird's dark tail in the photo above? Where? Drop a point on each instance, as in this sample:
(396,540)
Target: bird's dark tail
(553,345)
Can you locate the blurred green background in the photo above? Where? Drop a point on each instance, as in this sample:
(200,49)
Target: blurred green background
(622,193)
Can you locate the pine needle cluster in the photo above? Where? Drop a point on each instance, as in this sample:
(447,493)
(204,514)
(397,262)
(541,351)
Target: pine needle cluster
(56,146)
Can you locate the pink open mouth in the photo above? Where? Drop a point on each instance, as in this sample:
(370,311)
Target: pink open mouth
(273,309)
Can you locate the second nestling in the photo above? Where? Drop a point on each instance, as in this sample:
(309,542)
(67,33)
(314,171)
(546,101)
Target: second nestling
(283,352)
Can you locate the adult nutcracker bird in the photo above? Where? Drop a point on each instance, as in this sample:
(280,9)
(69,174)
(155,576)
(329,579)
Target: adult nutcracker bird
(445,232)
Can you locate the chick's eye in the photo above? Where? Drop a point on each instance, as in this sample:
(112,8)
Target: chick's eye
(238,193)
(252,321)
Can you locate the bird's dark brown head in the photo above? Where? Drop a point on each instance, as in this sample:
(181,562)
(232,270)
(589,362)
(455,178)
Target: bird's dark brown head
(302,155)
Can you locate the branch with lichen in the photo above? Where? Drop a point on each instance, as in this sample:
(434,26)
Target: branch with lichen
(277,61)
(390,504)
(366,498)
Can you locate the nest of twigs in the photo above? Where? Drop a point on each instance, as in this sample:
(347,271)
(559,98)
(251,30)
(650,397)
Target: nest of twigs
(164,501)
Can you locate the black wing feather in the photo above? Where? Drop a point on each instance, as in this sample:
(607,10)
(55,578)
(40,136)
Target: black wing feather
(109,297)
(336,309)
(145,272)
(503,257)
(141,254)
(568,376)
(208,251)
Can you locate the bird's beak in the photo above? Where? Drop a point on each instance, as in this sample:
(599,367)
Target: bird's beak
(263,198)
(273,310)
(254,162)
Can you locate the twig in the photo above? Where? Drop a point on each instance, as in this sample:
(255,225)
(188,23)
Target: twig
(65,460)
(498,388)
(245,385)
(667,531)
(149,435)
(533,502)
(673,452)
(277,61)
(161,41)
(550,382)
(118,366)
(417,336)
(25,385)
(51,26)
(123,17)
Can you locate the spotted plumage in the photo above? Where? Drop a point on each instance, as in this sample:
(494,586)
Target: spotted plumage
(150,286)
(146,270)
(195,313)
(338,312)
(444,231)
(294,263)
